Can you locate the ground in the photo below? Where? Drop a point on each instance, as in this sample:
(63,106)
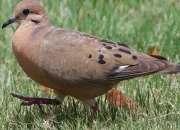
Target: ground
(139,23)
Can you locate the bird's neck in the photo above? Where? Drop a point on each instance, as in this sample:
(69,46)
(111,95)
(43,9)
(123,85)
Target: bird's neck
(28,35)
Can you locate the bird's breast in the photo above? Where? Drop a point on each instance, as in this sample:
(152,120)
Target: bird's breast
(26,47)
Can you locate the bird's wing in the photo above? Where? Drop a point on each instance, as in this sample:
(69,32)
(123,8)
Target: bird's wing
(78,57)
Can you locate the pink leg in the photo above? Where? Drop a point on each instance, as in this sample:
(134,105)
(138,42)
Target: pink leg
(28,101)
(94,111)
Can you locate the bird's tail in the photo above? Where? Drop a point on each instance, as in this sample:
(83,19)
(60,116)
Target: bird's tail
(172,69)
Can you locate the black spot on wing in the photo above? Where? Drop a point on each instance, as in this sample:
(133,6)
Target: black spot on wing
(90,56)
(124,51)
(111,42)
(102,62)
(101,57)
(108,47)
(118,55)
(134,57)
(115,43)
(122,44)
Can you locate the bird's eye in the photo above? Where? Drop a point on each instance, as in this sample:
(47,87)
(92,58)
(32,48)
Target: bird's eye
(26,11)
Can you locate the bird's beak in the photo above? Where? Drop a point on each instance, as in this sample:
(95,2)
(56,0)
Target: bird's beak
(10,21)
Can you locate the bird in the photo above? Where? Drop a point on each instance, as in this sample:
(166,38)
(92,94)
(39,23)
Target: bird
(74,63)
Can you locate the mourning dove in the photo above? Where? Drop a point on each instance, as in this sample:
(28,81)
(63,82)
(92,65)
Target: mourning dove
(74,63)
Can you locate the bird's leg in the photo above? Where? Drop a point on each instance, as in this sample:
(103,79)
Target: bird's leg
(28,101)
(94,111)
(94,107)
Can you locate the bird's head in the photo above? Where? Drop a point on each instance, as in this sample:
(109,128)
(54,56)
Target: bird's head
(27,10)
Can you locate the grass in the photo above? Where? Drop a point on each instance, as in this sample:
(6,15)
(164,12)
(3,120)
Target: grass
(141,23)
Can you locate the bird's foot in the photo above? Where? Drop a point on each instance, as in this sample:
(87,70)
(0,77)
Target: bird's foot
(28,101)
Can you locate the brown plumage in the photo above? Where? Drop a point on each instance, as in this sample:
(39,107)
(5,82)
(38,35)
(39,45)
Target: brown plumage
(75,63)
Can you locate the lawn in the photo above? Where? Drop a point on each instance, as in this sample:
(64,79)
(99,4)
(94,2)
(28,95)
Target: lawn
(139,23)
